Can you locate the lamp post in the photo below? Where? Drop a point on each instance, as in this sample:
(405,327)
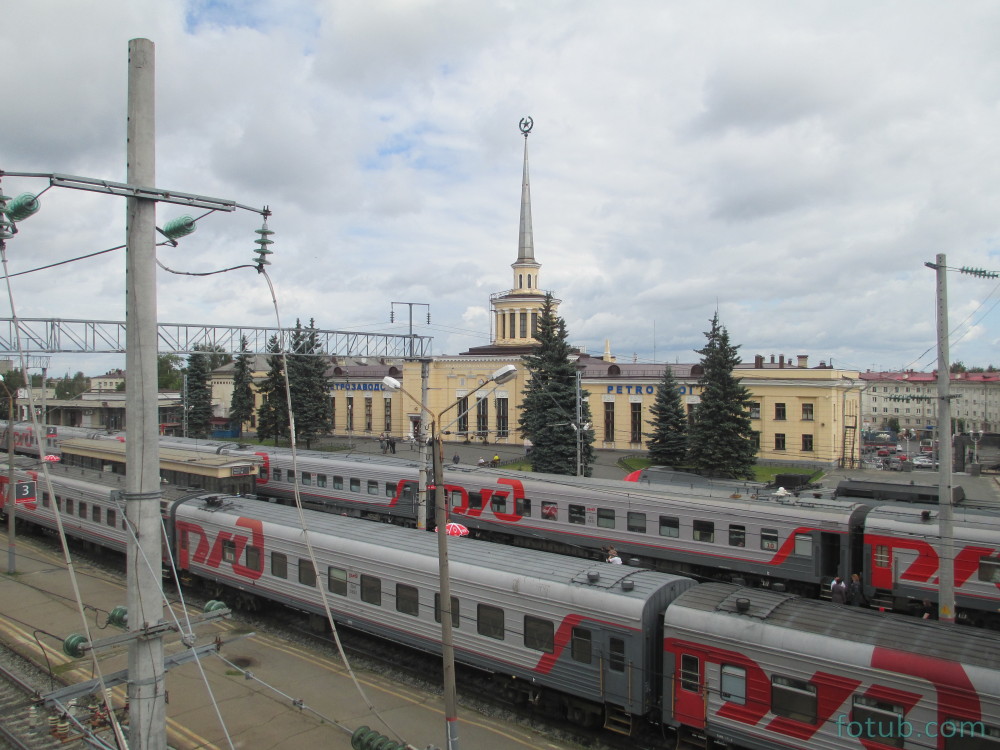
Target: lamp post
(502,375)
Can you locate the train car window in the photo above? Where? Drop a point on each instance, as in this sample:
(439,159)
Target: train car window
(321,480)
(407,600)
(46,500)
(523,507)
(550,511)
(793,699)
(95,513)
(734,684)
(737,535)
(880,721)
(112,517)
(59,503)
(455,619)
(264,472)
(616,655)
(489,621)
(963,734)
(989,569)
(228,551)
(475,500)
(882,556)
(372,487)
(539,634)
(606,518)
(338,483)
(307,573)
(769,539)
(803,545)
(670,526)
(577,514)
(82,508)
(254,558)
(636,522)
(390,490)
(582,643)
(336,581)
(276,475)
(307,479)
(703,531)
(690,673)
(279,565)
(498,503)
(355,484)
(371,590)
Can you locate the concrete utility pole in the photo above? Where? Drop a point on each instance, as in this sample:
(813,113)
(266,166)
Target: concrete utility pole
(146,688)
(946,553)
(425,459)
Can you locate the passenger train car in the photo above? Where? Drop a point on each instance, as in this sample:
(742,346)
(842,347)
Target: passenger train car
(728,532)
(630,648)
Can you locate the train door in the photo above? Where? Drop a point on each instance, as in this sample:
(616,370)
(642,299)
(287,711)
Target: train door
(689,690)
(829,556)
(615,669)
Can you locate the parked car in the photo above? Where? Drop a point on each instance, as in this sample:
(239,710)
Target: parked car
(924,462)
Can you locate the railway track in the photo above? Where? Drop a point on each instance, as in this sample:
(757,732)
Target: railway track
(25,727)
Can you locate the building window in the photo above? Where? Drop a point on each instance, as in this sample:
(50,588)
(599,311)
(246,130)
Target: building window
(534,325)
(755,440)
(636,431)
(779,411)
(755,410)
(368,415)
(609,421)
(388,414)
(350,413)
(807,442)
(807,412)
(779,441)
(524,325)
(333,411)
(482,416)
(501,417)
(463,414)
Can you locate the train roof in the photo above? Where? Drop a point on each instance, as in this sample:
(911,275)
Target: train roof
(840,625)
(115,450)
(484,564)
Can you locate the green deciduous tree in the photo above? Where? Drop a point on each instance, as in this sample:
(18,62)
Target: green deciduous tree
(70,387)
(721,438)
(169,372)
(548,413)
(272,414)
(310,384)
(241,405)
(668,442)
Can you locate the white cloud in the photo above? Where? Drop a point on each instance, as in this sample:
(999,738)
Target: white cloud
(792,166)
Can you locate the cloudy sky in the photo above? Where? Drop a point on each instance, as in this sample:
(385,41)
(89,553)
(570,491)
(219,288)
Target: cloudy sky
(793,165)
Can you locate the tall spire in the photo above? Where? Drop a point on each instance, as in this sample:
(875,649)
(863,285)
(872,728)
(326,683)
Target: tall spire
(526,243)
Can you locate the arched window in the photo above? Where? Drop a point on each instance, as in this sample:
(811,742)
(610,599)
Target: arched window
(529,281)
(520,281)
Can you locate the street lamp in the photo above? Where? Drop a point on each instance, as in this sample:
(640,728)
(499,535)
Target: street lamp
(499,377)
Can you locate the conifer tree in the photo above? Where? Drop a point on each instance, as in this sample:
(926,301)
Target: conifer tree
(309,383)
(199,395)
(242,402)
(272,414)
(549,408)
(668,441)
(720,439)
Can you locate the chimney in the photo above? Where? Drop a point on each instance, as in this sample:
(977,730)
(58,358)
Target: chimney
(781,360)
(803,360)
(758,361)
(772,359)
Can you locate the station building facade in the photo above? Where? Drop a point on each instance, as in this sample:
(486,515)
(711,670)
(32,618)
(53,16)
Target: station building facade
(801,414)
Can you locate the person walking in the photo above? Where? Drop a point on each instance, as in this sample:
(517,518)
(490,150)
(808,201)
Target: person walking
(392,444)
(838,591)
